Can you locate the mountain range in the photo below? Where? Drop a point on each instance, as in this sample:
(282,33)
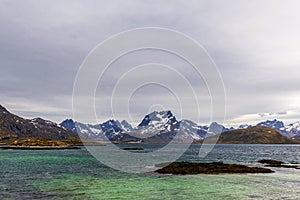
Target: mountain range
(162,127)
(155,127)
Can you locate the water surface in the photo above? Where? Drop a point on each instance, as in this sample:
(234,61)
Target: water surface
(75,174)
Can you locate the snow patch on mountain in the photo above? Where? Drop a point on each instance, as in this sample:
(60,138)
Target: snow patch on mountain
(243,126)
(165,125)
(294,128)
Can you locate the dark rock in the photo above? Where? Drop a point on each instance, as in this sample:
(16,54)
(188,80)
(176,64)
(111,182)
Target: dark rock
(276,163)
(271,162)
(133,148)
(185,168)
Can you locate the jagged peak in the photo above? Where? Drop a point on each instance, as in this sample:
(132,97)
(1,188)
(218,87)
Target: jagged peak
(67,121)
(158,116)
(161,112)
(110,121)
(274,121)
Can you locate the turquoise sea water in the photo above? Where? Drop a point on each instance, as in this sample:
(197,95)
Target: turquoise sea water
(75,174)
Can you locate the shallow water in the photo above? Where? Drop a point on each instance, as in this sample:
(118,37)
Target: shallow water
(75,174)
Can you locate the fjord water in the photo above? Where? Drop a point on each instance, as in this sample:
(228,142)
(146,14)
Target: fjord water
(75,174)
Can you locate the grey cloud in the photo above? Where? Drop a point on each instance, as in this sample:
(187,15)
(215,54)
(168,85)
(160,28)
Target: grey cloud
(281,113)
(272,114)
(262,114)
(255,45)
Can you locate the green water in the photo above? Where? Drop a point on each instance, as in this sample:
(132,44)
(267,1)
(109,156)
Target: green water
(75,174)
(179,187)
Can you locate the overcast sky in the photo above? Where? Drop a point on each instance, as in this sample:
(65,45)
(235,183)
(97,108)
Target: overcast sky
(255,44)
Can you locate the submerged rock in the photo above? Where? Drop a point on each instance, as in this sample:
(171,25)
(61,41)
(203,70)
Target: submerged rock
(133,148)
(270,162)
(185,168)
(276,163)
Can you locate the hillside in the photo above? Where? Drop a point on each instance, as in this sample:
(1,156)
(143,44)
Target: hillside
(13,127)
(254,135)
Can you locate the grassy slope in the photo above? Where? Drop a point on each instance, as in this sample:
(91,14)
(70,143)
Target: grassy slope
(254,135)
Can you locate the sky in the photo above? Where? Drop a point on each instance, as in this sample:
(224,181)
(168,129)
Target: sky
(255,45)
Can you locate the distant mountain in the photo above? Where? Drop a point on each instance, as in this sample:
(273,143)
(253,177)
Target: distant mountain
(275,124)
(215,128)
(293,128)
(254,135)
(110,129)
(69,124)
(244,126)
(196,131)
(125,126)
(161,127)
(162,119)
(155,127)
(157,123)
(288,131)
(13,127)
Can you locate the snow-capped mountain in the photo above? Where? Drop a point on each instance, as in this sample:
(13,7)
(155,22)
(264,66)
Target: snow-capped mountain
(293,128)
(163,126)
(243,126)
(111,128)
(275,124)
(85,129)
(215,128)
(160,121)
(155,127)
(288,131)
(125,126)
(69,124)
(196,131)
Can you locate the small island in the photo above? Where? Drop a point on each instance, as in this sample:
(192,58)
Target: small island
(276,163)
(188,168)
(133,148)
(41,144)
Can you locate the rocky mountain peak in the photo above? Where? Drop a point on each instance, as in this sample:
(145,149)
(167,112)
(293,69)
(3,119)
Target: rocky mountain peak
(69,124)
(161,117)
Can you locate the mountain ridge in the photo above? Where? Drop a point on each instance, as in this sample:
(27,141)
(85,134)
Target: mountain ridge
(164,124)
(253,135)
(15,127)
(155,127)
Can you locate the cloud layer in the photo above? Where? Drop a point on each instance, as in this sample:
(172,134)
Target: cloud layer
(255,44)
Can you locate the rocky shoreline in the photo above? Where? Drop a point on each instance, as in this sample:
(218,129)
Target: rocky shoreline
(41,144)
(39,147)
(279,164)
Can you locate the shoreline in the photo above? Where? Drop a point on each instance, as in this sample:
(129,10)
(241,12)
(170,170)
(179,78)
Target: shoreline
(38,147)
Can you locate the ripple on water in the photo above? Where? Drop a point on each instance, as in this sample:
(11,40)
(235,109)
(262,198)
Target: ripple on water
(75,174)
